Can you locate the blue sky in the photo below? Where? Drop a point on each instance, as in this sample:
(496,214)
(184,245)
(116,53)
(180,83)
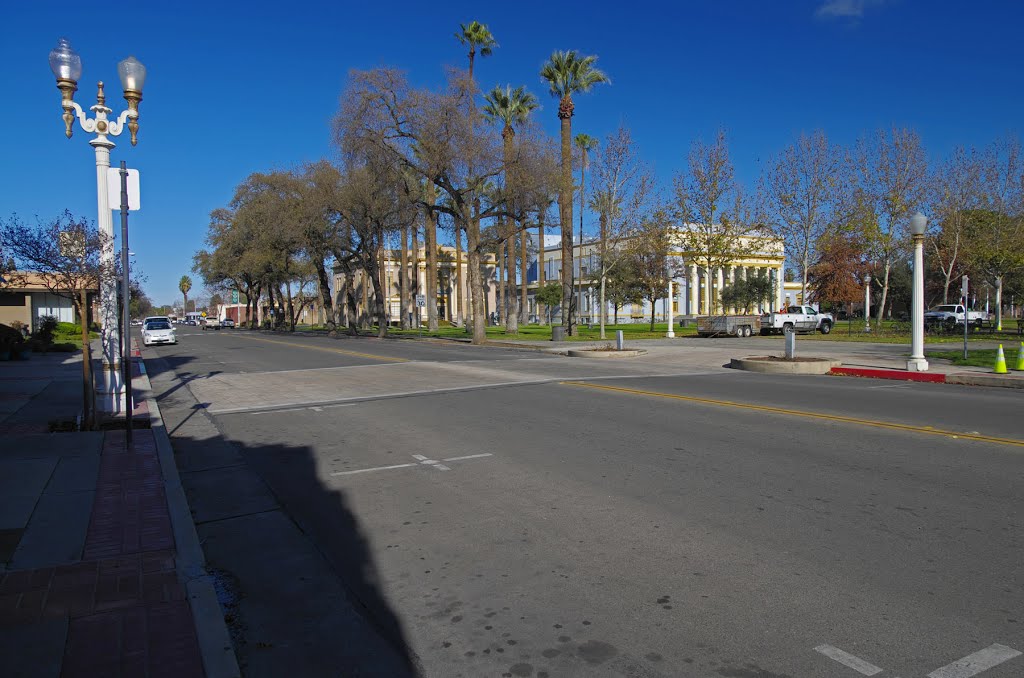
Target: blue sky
(238,88)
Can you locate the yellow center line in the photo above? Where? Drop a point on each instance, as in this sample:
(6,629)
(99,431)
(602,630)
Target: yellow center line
(326,349)
(801,413)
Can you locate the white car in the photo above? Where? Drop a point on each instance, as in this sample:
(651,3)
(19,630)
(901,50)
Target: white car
(158,332)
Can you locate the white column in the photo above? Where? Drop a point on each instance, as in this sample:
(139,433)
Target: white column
(780,277)
(917,362)
(668,311)
(110,390)
(732,281)
(693,282)
(716,303)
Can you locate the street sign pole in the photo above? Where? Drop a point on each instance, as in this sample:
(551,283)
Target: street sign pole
(126,361)
(963,290)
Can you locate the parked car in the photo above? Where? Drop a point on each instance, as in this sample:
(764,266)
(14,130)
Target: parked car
(952,315)
(797,319)
(227,322)
(158,332)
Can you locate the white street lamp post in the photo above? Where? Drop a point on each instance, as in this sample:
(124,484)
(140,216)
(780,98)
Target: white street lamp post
(916,362)
(999,303)
(668,310)
(66,65)
(867,303)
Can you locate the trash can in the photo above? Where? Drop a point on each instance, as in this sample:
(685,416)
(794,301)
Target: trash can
(557,333)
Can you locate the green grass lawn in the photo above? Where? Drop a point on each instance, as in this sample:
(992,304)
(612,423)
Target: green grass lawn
(890,332)
(543,332)
(980,357)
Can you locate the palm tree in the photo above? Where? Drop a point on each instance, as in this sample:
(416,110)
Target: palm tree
(568,73)
(510,107)
(478,37)
(185,284)
(585,143)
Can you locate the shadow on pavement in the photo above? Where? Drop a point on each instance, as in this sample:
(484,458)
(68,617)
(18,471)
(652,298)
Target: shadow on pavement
(295,606)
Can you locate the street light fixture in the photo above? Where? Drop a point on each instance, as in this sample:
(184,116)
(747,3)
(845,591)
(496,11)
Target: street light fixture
(917,362)
(66,65)
(867,303)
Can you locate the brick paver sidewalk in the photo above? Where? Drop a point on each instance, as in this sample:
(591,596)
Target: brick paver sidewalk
(128,612)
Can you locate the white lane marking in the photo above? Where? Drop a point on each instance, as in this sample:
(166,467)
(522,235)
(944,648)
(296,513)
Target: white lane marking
(847,659)
(973,664)
(420,460)
(367,470)
(431,462)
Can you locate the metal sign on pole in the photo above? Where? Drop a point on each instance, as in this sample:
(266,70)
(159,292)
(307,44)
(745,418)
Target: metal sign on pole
(127,184)
(115,186)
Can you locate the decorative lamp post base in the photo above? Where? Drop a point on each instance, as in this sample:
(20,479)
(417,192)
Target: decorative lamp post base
(110,393)
(917,365)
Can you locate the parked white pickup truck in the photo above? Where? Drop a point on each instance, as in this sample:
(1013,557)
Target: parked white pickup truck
(797,319)
(951,315)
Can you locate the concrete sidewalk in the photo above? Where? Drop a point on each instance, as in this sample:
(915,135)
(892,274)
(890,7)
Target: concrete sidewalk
(98,576)
(865,359)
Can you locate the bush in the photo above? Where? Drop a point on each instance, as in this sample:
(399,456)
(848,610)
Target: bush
(68,328)
(47,326)
(64,348)
(9,336)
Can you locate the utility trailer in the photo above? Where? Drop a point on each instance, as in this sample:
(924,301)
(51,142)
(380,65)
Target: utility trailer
(729,326)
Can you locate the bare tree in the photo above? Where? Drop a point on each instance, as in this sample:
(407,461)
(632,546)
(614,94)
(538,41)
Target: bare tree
(431,135)
(622,194)
(995,232)
(802,185)
(64,255)
(955,192)
(890,184)
(717,226)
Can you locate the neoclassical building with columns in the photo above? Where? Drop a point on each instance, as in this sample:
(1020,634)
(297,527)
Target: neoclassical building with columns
(696,291)
(692,288)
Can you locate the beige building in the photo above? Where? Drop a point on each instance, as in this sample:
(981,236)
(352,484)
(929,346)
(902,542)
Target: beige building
(692,286)
(451,274)
(25,298)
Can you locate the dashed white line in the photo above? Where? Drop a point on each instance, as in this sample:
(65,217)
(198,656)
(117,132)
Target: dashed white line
(973,664)
(846,659)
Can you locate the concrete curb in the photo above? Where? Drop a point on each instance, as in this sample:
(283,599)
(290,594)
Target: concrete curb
(215,646)
(809,366)
(601,353)
(981,379)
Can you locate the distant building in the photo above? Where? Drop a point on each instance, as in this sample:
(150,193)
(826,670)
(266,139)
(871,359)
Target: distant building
(692,285)
(25,298)
(451,273)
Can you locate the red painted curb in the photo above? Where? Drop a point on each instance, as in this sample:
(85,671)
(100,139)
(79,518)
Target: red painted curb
(901,375)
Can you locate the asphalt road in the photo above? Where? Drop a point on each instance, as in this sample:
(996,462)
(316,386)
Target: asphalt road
(501,512)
